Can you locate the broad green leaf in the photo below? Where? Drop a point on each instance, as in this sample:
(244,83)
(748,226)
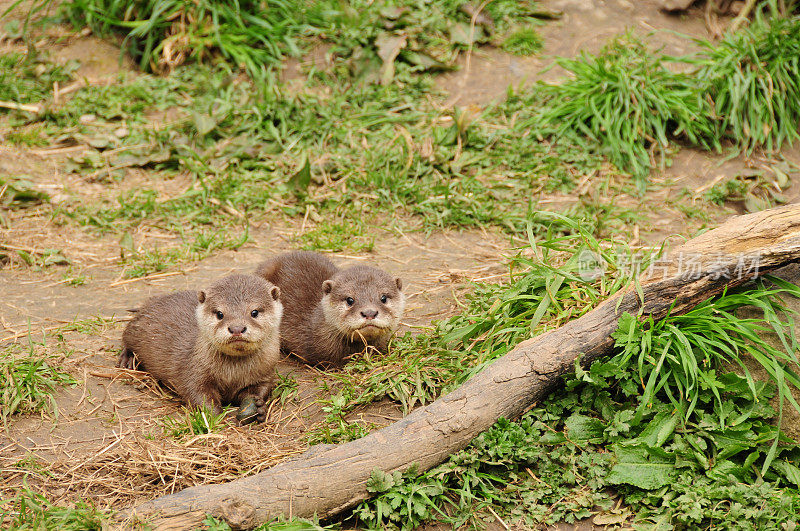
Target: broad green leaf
(583,428)
(300,181)
(788,471)
(660,429)
(640,468)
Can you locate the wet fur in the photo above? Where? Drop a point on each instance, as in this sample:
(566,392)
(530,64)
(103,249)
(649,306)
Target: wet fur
(318,327)
(181,342)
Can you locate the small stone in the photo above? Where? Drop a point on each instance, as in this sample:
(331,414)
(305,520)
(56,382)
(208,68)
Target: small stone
(626,5)
(122,132)
(676,5)
(59,198)
(87,118)
(247,411)
(571,5)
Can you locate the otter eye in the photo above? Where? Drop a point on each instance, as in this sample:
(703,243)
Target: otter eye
(254,314)
(384,298)
(219,315)
(350,301)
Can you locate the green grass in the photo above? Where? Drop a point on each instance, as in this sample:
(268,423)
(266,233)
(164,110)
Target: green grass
(30,137)
(479,169)
(23,80)
(679,357)
(139,263)
(525,41)
(285,389)
(255,36)
(753,77)
(242,165)
(30,380)
(277,524)
(339,236)
(162,34)
(627,99)
(193,422)
(31,511)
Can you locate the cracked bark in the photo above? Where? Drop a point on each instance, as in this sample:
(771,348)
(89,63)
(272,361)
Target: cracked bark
(329,479)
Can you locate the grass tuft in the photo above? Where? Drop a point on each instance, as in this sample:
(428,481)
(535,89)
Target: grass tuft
(193,422)
(29,81)
(29,381)
(680,356)
(525,41)
(162,34)
(31,511)
(629,101)
(753,76)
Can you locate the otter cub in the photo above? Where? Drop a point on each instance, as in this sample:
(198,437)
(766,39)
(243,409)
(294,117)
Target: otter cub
(332,313)
(216,346)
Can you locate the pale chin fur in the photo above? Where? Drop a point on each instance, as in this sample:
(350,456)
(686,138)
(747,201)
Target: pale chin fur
(220,338)
(356,326)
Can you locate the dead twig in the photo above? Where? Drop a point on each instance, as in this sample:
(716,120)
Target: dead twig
(36,109)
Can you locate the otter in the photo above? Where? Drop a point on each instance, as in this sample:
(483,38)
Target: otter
(214,347)
(332,313)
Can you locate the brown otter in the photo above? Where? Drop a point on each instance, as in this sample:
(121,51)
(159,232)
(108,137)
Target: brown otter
(212,347)
(332,313)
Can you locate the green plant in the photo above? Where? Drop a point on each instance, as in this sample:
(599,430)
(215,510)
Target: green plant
(285,389)
(193,422)
(43,258)
(542,295)
(346,235)
(29,510)
(626,99)
(140,263)
(29,380)
(753,77)
(680,356)
(72,279)
(278,524)
(336,428)
(756,189)
(525,41)
(20,192)
(25,79)
(29,137)
(162,34)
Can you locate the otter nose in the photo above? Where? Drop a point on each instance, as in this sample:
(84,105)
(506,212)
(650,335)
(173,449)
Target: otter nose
(369,314)
(237,330)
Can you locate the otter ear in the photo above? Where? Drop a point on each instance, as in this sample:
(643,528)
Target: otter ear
(201,296)
(327,287)
(399,282)
(275,292)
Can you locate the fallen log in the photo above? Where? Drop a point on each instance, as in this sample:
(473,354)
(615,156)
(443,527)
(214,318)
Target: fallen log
(331,478)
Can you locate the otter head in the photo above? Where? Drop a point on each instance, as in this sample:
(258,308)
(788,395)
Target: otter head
(363,302)
(238,314)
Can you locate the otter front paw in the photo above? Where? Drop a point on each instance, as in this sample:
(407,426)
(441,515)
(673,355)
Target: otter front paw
(127,360)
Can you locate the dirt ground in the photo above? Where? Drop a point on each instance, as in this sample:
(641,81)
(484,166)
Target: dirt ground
(107,426)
